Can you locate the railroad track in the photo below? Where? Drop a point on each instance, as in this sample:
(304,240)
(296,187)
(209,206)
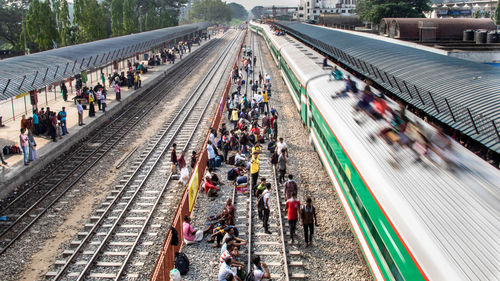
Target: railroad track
(284,262)
(36,200)
(108,242)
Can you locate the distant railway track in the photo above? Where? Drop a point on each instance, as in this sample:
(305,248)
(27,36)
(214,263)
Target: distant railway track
(105,247)
(36,200)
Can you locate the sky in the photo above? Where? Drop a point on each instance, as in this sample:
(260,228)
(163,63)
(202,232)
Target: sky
(249,4)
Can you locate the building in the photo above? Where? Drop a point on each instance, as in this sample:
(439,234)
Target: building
(311,9)
(462,9)
(276,12)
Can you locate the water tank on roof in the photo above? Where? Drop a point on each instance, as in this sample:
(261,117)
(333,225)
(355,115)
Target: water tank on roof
(468,35)
(480,36)
(493,37)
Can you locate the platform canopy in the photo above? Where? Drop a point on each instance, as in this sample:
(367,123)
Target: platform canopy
(462,94)
(26,73)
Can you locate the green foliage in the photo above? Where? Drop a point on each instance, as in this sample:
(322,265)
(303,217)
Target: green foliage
(375,10)
(497,14)
(130,19)
(214,11)
(257,11)
(41,27)
(238,11)
(477,14)
(117,17)
(236,22)
(89,16)
(11,14)
(61,11)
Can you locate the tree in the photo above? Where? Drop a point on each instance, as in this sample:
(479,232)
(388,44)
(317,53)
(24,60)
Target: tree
(89,17)
(257,11)
(117,17)
(497,14)
(130,18)
(375,10)
(41,27)
(238,11)
(61,11)
(11,14)
(214,11)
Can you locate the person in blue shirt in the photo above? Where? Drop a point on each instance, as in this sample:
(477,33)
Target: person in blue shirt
(36,123)
(62,118)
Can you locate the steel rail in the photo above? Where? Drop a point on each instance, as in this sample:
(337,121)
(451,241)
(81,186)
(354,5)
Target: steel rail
(116,119)
(196,94)
(129,255)
(83,172)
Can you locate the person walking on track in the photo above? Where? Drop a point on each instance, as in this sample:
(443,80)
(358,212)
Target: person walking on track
(267,210)
(292,208)
(309,220)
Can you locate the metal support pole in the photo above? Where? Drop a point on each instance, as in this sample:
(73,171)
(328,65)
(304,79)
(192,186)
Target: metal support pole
(22,82)
(418,93)
(25,106)
(13,113)
(496,129)
(432,99)
(473,123)
(6,85)
(55,73)
(404,83)
(46,100)
(389,80)
(45,76)
(449,108)
(34,79)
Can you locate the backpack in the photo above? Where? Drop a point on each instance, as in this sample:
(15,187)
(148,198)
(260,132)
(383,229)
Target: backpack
(231,174)
(59,116)
(274,158)
(6,150)
(219,143)
(175,237)
(260,202)
(182,263)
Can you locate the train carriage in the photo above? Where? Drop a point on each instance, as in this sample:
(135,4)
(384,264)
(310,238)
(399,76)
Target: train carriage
(413,221)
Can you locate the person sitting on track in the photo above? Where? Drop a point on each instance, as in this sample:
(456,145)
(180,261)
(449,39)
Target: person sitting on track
(209,188)
(260,269)
(226,272)
(191,235)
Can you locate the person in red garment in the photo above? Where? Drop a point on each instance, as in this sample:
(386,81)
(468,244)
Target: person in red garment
(292,207)
(210,188)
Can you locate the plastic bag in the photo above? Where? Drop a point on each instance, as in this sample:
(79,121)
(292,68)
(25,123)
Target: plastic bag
(184,175)
(175,275)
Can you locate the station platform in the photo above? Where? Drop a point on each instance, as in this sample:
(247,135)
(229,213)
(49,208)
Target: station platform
(15,172)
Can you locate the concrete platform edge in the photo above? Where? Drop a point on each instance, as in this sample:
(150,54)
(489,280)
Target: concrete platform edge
(24,173)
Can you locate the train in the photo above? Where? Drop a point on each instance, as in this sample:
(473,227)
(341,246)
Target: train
(412,220)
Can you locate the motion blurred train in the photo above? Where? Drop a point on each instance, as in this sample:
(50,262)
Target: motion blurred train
(412,220)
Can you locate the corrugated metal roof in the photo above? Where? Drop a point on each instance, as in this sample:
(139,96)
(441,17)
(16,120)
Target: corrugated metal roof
(26,73)
(463,94)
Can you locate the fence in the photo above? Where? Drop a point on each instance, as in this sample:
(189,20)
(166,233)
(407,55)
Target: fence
(165,261)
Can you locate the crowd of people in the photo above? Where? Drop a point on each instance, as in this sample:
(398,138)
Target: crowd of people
(255,124)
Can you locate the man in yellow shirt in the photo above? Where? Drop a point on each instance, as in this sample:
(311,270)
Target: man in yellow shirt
(265,100)
(234,117)
(254,170)
(257,150)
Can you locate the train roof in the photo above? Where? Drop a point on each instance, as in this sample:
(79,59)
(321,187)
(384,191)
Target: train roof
(449,219)
(462,94)
(26,73)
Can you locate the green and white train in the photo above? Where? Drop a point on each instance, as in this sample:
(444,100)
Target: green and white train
(413,221)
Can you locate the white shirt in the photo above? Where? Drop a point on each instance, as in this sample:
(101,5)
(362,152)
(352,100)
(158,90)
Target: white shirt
(266,197)
(224,270)
(80,108)
(212,138)
(211,152)
(280,146)
(257,273)
(259,98)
